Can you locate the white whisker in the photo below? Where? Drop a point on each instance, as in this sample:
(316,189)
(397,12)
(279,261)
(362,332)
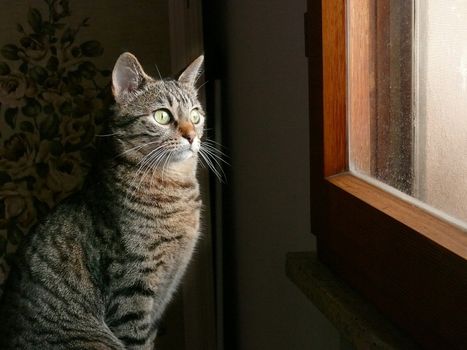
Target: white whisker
(135,148)
(146,164)
(214,159)
(166,163)
(107,135)
(199,88)
(215,153)
(213,143)
(210,164)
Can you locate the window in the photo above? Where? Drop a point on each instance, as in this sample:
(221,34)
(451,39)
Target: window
(407,93)
(410,263)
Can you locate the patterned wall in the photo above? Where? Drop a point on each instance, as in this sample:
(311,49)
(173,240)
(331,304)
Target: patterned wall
(55,70)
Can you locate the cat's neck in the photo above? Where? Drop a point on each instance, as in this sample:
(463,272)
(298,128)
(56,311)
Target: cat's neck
(120,177)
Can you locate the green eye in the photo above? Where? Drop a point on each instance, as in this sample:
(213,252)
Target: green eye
(195,116)
(162,117)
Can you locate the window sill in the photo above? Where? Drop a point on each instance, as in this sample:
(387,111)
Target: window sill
(357,321)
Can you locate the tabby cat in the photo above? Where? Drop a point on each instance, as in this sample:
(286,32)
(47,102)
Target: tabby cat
(100,270)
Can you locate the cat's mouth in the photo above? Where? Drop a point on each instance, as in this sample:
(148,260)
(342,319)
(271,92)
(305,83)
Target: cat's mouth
(183,155)
(186,152)
(190,148)
(178,151)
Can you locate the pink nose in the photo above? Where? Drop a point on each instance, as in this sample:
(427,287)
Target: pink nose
(190,136)
(187,131)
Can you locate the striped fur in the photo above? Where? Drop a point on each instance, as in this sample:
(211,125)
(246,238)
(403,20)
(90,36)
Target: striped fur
(100,270)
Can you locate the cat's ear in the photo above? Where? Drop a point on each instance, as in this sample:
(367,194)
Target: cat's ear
(127,76)
(192,72)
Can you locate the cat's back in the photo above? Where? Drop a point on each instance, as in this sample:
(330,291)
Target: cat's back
(51,296)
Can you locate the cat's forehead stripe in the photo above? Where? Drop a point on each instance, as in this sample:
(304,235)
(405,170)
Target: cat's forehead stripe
(174,94)
(169,99)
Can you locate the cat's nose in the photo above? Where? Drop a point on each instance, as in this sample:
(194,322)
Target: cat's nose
(187,131)
(190,136)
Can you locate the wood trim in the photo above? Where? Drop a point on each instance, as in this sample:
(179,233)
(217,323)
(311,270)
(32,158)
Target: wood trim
(361,84)
(334,86)
(435,229)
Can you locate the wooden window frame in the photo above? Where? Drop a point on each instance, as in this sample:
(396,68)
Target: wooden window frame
(409,263)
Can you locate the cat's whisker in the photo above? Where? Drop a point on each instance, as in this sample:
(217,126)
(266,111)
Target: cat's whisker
(138,147)
(146,164)
(199,88)
(133,179)
(159,160)
(214,159)
(147,159)
(210,165)
(215,153)
(214,143)
(108,135)
(156,158)
(158,72)
(154,167)
(160,76)
(142,168)
(153,163)
(141,164)
(164,167)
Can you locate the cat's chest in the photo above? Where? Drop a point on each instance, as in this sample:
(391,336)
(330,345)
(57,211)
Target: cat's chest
(166,212)
(166,237)
(162,221)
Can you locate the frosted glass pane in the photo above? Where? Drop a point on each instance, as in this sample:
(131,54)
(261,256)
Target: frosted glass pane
(442,105)
(408,98)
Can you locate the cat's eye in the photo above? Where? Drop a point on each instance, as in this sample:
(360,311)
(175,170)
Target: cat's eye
(162,117)
(195,116)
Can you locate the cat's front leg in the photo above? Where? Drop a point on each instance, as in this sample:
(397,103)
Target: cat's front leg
(131,319)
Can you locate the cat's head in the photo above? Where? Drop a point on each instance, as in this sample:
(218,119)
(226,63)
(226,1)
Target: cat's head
(160,120)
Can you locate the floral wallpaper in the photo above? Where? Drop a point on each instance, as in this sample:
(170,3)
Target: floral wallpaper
(53,99)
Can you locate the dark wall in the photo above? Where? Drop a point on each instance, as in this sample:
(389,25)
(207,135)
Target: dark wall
(267,210)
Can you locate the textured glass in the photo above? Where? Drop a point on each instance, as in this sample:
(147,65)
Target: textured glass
(408,98)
